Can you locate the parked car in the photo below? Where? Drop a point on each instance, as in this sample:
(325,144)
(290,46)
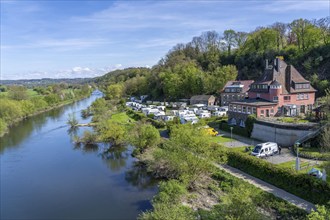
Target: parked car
(212,131)
(265,149)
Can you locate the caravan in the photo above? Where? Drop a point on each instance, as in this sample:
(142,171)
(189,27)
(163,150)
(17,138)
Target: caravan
(265,149)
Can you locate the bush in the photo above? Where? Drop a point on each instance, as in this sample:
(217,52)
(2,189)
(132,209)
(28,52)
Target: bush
(223,125)
(302,185)
(3,126)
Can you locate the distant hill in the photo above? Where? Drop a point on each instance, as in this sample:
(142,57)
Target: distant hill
(44,81)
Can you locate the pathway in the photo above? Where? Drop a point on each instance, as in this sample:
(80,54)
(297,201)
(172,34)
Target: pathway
(301,203)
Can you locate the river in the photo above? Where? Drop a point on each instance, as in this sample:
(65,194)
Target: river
(46,176)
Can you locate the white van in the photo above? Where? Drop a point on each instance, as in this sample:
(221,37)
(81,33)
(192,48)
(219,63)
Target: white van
(265,149)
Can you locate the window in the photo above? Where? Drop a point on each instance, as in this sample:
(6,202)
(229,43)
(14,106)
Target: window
(254,110)
(239,108)
(244,109)
(227,90)
(264,86)
(230,107)
(306,96)
(262,112)
(249,110)
(306,86)
(300,96)
(258,95)
(287,98)
(234,107)
(272,111)
(275,98)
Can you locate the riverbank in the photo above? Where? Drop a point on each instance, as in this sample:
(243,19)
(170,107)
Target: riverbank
(17,120)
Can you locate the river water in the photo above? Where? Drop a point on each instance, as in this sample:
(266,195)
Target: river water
(45,176)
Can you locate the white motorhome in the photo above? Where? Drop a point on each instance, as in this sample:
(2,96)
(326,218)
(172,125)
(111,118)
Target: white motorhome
(205,115)
(265,149)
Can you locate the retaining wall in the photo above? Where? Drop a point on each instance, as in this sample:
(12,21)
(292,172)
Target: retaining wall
(283,134)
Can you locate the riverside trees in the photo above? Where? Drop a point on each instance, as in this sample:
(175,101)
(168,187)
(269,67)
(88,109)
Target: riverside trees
(20,102)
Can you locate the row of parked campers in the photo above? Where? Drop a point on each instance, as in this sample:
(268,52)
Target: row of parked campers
(265,149)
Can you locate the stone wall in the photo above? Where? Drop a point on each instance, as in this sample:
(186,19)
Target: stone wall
(283,134)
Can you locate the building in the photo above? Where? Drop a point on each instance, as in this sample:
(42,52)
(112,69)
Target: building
(281,90)
(235,91)
(202,99)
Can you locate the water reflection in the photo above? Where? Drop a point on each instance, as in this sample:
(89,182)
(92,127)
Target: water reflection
(35,124)
(139,177)
(115,157)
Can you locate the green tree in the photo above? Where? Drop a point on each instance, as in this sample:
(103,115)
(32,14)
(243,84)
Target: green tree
(145,136)
(229,36)
(114,91)
(17,93)
(10,110)
(112,132)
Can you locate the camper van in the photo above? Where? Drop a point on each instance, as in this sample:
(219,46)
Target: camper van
(265,149)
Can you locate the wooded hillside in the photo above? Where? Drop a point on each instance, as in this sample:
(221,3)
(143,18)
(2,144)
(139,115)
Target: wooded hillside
(208,61)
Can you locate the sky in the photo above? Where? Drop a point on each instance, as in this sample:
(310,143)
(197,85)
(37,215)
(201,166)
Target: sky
(70,39)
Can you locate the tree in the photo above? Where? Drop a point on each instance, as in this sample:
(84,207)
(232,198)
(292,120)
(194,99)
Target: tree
(145,136)
(17,93)
(249,124)
(324,26)
(112,132)
(114,91)
(229,36)
(182,157)
(280,28)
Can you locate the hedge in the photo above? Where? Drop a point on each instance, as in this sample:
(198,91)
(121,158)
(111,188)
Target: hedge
(302,185)
(223,125)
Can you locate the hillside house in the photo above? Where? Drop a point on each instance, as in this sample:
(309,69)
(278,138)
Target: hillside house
(235,91)
(281,90)
(202,99)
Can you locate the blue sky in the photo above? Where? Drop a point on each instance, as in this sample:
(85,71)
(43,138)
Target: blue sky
(88,38)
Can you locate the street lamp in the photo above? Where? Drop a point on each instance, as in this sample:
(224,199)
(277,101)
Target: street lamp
(297,158)
(231,136)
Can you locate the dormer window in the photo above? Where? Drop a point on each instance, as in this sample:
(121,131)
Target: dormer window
(301,85)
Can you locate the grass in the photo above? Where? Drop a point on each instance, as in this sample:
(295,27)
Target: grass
(292,120)
(313,152)
(305,166)
(122,118)
(219,139)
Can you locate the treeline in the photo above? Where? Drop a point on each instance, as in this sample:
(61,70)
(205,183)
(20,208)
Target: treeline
(18,102)
(208,61)
(30,83)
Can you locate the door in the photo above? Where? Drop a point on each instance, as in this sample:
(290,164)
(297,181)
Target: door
(267,113)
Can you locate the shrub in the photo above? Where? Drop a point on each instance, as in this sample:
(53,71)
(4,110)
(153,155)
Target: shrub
(223,125)
(302,185)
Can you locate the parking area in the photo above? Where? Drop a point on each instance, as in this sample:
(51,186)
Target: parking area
(285,156)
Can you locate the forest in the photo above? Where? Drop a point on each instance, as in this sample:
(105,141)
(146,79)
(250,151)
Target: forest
(208,61)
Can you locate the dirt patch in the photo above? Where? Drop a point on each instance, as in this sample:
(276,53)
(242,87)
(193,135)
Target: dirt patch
(205,194)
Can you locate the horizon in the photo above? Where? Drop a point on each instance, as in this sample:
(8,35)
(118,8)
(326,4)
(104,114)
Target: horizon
(66,39)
